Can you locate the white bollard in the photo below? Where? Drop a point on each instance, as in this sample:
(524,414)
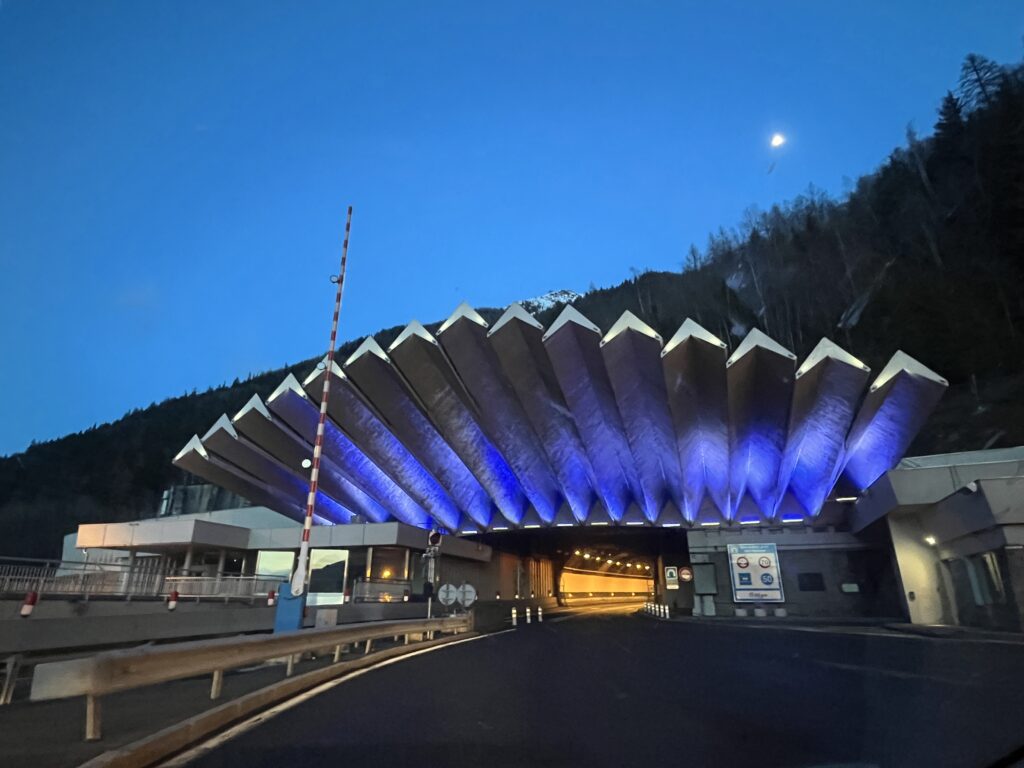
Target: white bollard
(513,616)
(527,614)
(540,614)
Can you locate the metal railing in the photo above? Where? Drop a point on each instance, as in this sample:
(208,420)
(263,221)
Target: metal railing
(380,591)
(220,586)
(55,577)
(147,577)
(114,671)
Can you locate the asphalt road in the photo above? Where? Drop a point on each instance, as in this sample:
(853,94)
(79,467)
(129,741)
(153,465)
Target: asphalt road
(619,690)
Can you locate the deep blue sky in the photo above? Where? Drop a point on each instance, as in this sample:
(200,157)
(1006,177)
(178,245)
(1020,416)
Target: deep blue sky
(173,175)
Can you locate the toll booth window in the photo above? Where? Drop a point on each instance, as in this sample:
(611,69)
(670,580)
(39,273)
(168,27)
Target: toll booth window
(388,564)
(810,582)
(274,564)
(327,570)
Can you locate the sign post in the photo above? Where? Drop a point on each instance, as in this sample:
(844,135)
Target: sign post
(754,573)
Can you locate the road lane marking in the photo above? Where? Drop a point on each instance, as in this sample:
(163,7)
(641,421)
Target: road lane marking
(238,729)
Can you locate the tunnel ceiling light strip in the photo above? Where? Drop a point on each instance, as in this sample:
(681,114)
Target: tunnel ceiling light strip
(575,448)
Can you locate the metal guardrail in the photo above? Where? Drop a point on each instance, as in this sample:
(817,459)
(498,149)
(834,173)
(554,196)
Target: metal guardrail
(113,671)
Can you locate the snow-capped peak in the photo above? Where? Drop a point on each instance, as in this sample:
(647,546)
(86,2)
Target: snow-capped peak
(548,300)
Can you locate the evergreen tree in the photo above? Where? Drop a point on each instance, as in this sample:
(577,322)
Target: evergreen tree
(950,127)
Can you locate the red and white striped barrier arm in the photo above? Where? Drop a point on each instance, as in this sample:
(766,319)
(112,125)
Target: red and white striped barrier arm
(298,585)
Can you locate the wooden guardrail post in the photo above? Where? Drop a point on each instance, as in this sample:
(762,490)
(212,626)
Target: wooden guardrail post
(93,718)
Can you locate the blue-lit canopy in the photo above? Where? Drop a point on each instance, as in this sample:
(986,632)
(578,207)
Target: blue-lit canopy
(511,426)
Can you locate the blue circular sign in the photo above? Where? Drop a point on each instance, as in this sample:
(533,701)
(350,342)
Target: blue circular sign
(767,578)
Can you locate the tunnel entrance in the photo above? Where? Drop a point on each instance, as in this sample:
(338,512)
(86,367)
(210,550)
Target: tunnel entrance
(596,564)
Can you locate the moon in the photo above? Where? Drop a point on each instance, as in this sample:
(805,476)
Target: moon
(777,140)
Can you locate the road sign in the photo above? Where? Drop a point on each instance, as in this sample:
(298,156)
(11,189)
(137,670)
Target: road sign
(433,538)
(466,595)
(671,577)
(754,573)
(447,594)
(685,573)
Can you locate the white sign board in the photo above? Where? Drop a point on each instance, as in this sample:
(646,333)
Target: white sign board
(754,573)
(466,595)
(447,594)
(671,577)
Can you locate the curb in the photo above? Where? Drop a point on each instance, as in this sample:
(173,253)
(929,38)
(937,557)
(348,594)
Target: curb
(174,738)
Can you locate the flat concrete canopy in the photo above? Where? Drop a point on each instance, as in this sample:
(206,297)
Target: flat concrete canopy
(490,428)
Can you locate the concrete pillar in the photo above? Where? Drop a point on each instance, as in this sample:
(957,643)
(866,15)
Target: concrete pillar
(187,565)
(405,576)
(221,562)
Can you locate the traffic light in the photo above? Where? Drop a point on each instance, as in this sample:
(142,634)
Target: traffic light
(434,538)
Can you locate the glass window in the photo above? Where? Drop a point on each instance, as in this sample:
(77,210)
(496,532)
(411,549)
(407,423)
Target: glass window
(274,564)
(327,570)
(388,563)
